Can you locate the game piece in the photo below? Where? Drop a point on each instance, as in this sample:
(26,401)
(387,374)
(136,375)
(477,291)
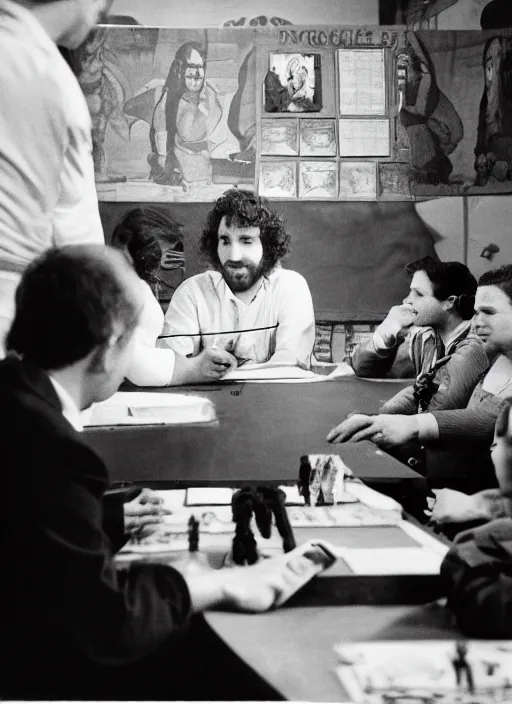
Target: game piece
(193,534)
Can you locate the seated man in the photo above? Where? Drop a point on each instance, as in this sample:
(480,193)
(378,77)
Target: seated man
(72,625)
(477,571)
(136,235)
(247,304)
(433,320)
(456,440)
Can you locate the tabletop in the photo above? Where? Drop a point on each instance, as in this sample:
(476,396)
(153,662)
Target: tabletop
(262,431)
(291,649)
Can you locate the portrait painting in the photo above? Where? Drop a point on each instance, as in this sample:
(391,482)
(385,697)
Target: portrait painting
(317,138)
(317,179)
(278,179)
(279,137)
(293,83)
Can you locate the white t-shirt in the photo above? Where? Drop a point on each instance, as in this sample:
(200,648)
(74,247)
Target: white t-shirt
(205,304)
(47,190)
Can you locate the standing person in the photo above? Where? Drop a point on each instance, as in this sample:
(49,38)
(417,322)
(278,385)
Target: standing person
(47,190)
(248,304)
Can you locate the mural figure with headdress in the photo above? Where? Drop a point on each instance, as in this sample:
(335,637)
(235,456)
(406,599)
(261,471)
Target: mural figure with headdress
(493,151)
(433,125)
(192,111)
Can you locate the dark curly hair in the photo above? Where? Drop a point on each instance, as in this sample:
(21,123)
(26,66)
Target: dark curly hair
(245,209)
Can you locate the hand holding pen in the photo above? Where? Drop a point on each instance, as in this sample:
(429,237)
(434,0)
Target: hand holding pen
(214,362)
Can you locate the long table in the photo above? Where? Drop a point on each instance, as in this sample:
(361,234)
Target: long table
(291,650)
(263,430)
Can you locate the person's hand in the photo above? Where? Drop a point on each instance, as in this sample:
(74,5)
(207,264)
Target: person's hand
(450,506)
(398,320)
(384,430)
(256,588)
(351,425)
(144,514)
(213,363)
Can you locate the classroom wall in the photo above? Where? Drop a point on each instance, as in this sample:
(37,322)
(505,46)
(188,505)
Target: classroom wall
(467,228)
(215,13)
(459,228)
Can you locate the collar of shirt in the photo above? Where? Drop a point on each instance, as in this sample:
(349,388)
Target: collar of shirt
(462,327)
(70,410)
(30,23)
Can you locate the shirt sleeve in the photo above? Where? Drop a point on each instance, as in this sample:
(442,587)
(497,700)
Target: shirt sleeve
(182,319)
(295,335)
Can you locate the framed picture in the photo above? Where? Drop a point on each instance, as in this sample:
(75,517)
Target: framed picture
(279,137)
(358,180)
(317,179)
(278,179)
(317,138)
(293,83)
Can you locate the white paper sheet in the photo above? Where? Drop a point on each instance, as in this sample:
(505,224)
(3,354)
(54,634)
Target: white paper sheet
(391,561)
(145,407)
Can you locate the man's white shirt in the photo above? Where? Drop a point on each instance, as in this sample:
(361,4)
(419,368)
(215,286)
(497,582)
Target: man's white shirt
(204,311)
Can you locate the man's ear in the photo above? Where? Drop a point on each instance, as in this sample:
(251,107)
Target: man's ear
(104,358)
(449,303)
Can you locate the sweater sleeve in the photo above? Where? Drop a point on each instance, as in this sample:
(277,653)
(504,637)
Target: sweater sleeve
(477,575)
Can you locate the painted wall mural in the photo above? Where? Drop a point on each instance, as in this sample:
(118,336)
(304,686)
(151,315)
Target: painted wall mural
(330,113)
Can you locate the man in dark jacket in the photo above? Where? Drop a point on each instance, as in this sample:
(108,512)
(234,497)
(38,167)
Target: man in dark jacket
(72,625)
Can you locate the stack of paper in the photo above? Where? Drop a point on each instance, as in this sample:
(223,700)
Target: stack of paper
(146,408)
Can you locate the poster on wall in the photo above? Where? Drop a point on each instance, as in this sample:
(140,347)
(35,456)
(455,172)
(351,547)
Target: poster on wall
(362,84)
(358,180)
(278,179)
(293,83)
(173,111)
(317,138)
(317,180)
(456,109)
(279,137)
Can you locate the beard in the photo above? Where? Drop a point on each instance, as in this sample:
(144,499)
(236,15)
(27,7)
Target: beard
(240,276)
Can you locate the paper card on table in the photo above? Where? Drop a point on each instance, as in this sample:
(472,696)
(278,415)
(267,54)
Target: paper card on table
(199,496)
(134,407)
(428,671)
(391,561)
(292,495)
(172,498)
(257,372)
